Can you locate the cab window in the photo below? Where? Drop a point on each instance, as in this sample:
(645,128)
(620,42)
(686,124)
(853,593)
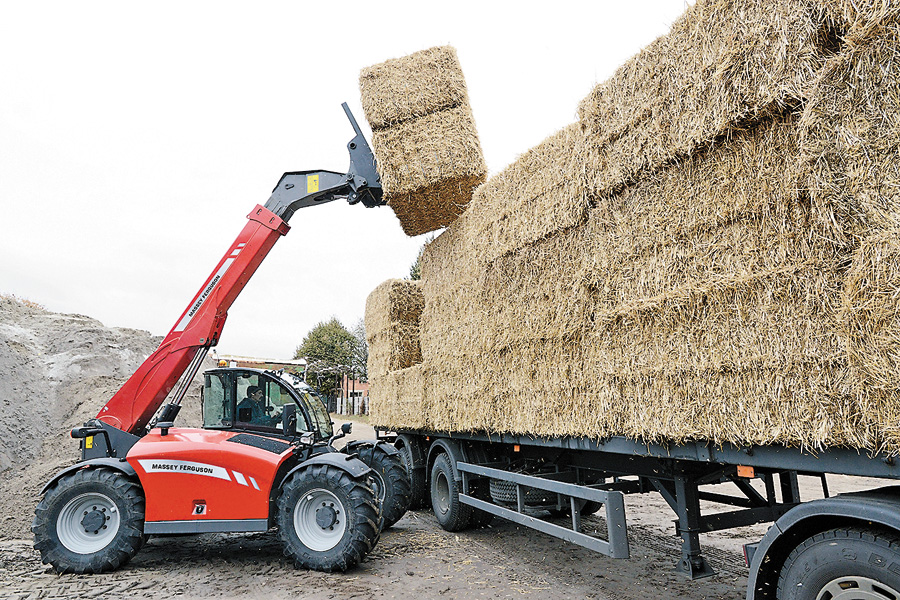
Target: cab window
(217,402)
(261,402)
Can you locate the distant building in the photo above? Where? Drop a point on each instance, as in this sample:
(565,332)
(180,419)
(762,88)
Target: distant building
(353,397)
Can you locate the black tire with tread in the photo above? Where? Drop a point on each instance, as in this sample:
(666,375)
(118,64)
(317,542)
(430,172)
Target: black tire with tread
(458,515)
(129,500)
(845,552)
(418,496)
(390,468)
(360,506)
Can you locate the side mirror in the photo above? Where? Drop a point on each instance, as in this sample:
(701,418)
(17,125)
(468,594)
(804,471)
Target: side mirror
(289,419)
(346,427)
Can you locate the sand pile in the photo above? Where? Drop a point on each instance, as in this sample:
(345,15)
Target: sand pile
(709,254)
(423,136)
(57,371)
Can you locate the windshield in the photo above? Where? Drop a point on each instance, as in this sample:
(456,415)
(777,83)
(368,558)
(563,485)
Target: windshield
(318,413)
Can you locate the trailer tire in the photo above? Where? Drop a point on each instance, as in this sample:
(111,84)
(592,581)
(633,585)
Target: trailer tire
(327,519)
(393,482)
(838,561)
(90,521)
(417,487)
(451,513)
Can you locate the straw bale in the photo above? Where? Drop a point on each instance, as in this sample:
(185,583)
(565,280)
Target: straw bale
(413,86)
(850,128)
(429,167)
(452,323)
(394,301)
(452,256)
(398,399)
(538,194)
(871,314)
(722,65)
(392,317)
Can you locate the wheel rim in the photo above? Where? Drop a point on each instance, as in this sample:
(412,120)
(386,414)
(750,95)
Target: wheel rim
(857,588)
(379,486)
(88,523)
(320,520)
(442,489)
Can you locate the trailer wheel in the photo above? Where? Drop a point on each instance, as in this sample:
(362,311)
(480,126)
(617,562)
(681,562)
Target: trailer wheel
(393,482)
(89,522)
(327,520)
(842,564)
(451,514)
(417,495)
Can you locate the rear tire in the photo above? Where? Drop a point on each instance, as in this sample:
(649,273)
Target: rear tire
(418,496)
(394,491)
(451,514)
(839,563)
(90,521)
(327,520)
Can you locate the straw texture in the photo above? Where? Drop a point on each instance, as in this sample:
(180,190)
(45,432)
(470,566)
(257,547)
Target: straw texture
(392,317)
(424,137)
(712,253)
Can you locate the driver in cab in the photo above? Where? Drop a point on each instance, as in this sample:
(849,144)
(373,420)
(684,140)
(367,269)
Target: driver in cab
(253,410)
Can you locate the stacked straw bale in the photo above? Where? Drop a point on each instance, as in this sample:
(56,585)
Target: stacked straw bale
(723,64)
(714,254)
(851,134)
(424,137)
(392,326)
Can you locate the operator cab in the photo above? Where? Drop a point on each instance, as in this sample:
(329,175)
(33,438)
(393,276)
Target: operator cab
(254,400)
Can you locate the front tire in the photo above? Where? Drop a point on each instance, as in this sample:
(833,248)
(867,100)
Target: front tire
(327,520)
(393,482)
(90,521)
(842,564)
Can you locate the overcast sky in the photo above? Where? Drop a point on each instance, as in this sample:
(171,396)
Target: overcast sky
(135,138)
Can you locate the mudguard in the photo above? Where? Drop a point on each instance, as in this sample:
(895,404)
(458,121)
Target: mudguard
(118,464)
(352,447)
(880,507)
(352,465)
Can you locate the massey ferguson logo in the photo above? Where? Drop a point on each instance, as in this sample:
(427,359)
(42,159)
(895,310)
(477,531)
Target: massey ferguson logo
(183,466)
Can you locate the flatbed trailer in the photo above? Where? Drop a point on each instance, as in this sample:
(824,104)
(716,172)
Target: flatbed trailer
(844,544)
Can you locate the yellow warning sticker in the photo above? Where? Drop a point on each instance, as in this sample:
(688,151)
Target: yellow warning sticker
(89,442)
(312,184)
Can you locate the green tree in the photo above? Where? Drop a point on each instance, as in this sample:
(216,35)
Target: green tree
(329,349)
(361,352)
(415,269)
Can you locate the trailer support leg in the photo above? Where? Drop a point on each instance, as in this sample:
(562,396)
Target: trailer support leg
(687,496)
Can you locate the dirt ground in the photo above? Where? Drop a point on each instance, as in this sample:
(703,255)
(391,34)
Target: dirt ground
(57,370)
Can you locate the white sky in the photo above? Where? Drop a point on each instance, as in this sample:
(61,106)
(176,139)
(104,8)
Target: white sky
(135,138)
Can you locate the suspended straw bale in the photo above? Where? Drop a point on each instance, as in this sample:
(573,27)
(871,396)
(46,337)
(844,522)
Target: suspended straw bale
(871,313)
(424,138)
(398,398)
(414,86)
(538,194)
(851,128)
(723,64)
(392,326)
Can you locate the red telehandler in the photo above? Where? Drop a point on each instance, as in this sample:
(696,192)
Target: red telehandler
(264,461)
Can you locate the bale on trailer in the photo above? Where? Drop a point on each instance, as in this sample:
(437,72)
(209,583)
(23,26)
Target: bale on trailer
(392,326)
(424,137)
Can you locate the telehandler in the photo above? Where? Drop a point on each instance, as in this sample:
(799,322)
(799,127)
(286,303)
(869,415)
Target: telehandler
(246,470)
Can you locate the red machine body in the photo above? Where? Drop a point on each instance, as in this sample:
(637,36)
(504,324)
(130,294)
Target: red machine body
(196,475)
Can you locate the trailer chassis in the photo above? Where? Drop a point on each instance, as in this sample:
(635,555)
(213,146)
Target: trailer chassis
(581,470)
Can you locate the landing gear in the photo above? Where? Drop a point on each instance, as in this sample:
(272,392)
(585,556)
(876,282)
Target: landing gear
(89,522)
(327,520)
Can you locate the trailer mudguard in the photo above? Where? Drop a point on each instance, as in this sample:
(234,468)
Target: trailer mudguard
(880,507)
(352,465)
(452,448)
(118,464)
(352,447)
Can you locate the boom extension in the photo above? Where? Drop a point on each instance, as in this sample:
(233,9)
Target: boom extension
(200,325)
